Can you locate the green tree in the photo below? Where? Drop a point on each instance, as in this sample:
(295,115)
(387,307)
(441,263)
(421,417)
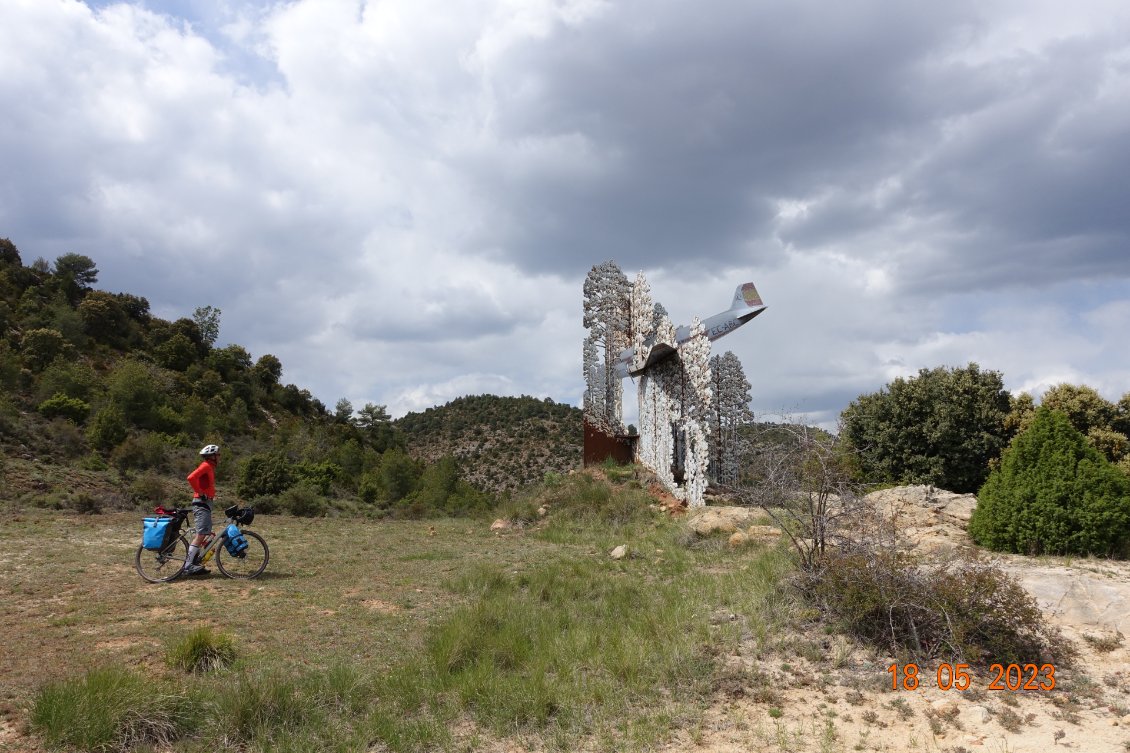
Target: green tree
(343,411)
(194,417)
(77,273)
(207,319)
(398,475)
(371,417)
(942,427)
(42,346)
(9,254)
(133,388)
(176,353)
(136,307)
(1103,422)
(267,371)
(1083,406)
(71,378)
(103,318)
(376,425)
(107,429)
(9,369)
(1054,493)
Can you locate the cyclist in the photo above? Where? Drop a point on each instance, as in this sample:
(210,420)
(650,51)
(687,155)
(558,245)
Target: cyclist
(203,483)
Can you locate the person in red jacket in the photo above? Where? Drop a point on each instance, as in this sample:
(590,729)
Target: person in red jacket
(203,483)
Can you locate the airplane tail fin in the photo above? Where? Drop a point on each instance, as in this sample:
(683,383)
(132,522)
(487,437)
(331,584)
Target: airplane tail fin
(746,297)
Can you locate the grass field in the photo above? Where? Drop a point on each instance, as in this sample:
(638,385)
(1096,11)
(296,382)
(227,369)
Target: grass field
(378,635)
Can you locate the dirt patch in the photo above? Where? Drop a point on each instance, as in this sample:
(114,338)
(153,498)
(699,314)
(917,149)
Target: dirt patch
(381,606)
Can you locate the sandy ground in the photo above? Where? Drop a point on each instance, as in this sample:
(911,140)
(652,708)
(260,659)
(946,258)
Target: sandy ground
(851,705)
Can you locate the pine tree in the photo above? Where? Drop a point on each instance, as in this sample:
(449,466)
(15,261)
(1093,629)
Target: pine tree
(1053,493)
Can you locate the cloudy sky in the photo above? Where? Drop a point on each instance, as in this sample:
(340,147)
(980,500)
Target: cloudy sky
(401,198)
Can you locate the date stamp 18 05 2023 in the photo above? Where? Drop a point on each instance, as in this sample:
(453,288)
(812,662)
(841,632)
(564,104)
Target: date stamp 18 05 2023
(958,677)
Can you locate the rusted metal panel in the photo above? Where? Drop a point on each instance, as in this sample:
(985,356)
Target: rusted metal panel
(600,445)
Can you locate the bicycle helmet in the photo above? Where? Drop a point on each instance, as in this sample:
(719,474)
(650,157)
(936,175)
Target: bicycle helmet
(210,449)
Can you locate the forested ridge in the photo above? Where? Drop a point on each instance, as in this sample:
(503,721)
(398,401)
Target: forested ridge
(502,443)
(103,404)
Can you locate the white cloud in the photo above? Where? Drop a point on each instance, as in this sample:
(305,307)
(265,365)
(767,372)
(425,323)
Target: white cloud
(401,200)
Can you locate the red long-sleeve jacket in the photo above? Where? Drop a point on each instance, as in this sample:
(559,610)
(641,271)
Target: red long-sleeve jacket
(203,479)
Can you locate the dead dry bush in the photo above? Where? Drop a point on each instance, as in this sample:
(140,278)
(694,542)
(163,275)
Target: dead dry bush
(858,569)
(966,610)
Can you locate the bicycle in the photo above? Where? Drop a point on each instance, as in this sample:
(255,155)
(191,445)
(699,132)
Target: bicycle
(167,563)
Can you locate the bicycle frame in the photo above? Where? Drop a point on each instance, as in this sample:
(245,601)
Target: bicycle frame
(217,538)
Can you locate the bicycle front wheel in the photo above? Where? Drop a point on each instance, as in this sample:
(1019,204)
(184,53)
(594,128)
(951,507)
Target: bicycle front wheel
(162,566)
(251,562)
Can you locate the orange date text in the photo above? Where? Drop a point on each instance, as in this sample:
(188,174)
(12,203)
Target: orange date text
(958,677)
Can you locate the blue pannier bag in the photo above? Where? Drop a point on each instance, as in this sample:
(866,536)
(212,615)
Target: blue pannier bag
(153,532)
(235,542)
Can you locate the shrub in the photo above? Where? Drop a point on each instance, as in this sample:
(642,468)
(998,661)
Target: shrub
(107,428)
(967,610)
(143,452)
(148,489)
(84,503)
(1053,493)
(321,475)
(41,346)
(265,473)
(266,505)
(62,438)
(93,462)
(61,406)
(304,501)
(201,651)
(369,488)
(109,710)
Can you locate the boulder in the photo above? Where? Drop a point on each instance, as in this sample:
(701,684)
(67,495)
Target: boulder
(765,533)
(705,521)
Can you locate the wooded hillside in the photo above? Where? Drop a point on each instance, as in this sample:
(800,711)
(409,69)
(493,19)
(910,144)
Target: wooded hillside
(102,403)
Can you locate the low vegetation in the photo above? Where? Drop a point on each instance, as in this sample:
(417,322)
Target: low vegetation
(453,635)
(202,650)
(454,638)
(963,610)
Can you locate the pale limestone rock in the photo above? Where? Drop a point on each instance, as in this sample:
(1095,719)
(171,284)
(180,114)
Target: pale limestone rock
(619,552)
(976,715)
(708,520)
(763,532)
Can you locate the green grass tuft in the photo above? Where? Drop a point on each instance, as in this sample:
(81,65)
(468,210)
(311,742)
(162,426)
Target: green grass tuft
(109,710)
(201,651)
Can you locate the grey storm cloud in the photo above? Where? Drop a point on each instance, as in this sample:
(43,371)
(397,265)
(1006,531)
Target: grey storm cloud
(702,122)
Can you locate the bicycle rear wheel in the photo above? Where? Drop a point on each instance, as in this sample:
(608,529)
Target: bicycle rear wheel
(252,561)
(162,566)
